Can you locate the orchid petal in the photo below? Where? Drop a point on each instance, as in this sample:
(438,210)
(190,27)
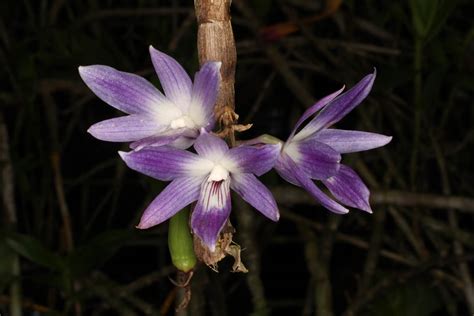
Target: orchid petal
(204,94)
(167,137)
(124,91)
(166,204)
(124,128)
(288,169)
(348,188)
(344,141)
(173,78)
(212,211)
(256,194)
(257,159)
(317,159)
(282,168)
(166,163)
(313,109)
(339,107)
(210,146)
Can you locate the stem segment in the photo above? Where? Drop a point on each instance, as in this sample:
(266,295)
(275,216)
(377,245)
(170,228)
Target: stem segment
(216,43)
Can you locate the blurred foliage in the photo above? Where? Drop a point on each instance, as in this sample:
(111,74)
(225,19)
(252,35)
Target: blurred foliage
(424,54)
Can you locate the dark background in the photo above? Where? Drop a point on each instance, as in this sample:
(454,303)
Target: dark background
(413,256)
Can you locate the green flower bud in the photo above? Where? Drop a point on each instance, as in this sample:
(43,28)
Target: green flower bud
(180,242)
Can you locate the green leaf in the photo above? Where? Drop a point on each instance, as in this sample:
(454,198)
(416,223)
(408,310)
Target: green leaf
(33,250)
(97,251)
(6,265)
(418,298)
(429,16)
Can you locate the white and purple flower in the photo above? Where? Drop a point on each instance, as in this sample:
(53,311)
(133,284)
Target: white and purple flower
(314,152)
(155,119)
(206,177)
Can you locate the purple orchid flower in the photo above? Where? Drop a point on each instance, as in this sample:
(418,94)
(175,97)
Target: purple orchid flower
(315,151)
(205,177)
(155,119)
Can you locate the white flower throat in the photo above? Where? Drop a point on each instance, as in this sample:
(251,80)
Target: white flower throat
(218,173)
(182,121)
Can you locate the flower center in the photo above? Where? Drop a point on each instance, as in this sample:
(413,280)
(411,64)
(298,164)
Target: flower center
(218,173)
(291,150)
(182,121)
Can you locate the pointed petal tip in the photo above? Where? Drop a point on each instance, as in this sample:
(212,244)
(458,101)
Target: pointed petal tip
(211,246)
(215,64)
(276,218)
(367,208)
(85,70)
(344,211)
(154,51)
(123,155)
(93,131)
(142,226)
(146,223)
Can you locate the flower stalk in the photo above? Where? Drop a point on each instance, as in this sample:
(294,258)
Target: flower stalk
(215,41)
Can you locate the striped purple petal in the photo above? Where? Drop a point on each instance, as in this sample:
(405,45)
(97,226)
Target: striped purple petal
(124,91)
(166,204)
(210,146)
(167,137)
(204,94)
(345,141)
(348,188)
(124,128)
(173,78)
(313,109)
(339,107)
(212,211)
(166,163)
(316,159)
(258,159)
(289,170)
(256,194)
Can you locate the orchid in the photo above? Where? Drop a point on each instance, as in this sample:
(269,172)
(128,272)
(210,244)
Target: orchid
(205,177)
(155,119)
(314,152)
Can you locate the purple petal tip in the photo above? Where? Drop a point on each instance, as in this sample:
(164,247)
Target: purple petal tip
(123,155)
(142,226)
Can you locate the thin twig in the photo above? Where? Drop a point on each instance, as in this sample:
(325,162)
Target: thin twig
(279,62)
(400,278)
(464,271)
(290,195)
(248,237)
(118,13)
(8,199)
(351,240)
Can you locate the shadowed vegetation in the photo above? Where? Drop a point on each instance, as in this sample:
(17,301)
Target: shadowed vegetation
(68,243)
